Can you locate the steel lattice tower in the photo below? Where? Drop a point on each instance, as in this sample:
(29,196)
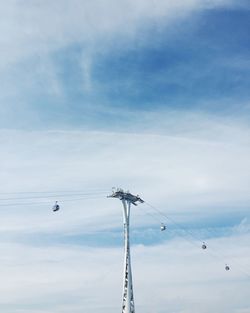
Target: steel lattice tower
(128,305)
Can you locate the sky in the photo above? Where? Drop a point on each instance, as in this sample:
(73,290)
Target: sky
(149,96)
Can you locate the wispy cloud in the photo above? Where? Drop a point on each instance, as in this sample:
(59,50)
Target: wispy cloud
(77,278)
(193,170)
(150,96)
(60,70)
(43,26)
(211,175)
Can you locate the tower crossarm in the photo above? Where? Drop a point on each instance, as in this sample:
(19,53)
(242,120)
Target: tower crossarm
(122,195)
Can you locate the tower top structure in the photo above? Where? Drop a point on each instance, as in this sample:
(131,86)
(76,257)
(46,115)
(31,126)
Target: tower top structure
(125,195)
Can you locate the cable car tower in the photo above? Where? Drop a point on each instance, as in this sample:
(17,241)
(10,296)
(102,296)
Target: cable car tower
(128,305)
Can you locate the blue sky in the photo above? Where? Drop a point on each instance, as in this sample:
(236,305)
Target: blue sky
(151,97)
(199,62)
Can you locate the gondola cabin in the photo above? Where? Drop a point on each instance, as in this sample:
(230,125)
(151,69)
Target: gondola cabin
(56,207)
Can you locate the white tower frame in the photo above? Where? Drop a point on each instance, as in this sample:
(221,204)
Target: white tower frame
(128,305)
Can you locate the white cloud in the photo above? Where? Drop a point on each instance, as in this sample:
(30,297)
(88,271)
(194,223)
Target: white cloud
(243,227)
(200,166)
(30,27)
(174,275)
(189,165)
(187,172)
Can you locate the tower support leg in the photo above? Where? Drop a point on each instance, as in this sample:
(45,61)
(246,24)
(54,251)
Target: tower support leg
(128,296)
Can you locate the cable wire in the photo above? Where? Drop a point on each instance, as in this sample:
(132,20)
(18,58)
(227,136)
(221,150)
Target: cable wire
(211,251)
(51,196)
(49,202)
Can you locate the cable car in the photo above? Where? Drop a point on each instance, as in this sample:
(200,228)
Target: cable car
(227,268)
(204,246)
(56,207)
(163,227)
